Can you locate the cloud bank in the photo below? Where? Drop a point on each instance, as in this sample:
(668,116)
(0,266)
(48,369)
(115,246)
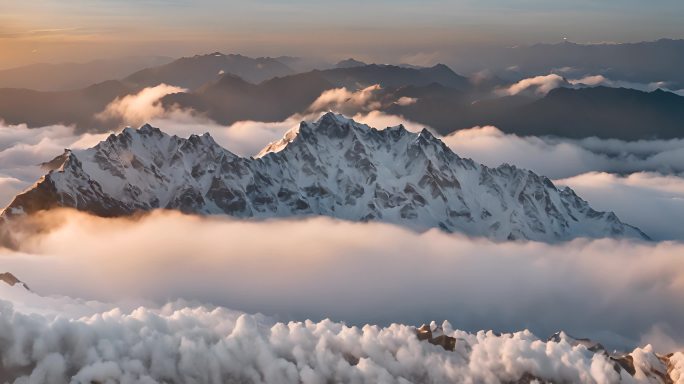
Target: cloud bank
(629,293)
(543,84)
(361,273)
(139,108)
(23,149)
(652,201)
(539,85)
(347,102)
(560,158)
(199,344)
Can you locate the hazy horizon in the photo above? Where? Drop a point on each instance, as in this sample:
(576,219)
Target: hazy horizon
(407,31)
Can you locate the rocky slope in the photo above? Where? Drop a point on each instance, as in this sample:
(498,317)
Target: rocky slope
(334,167)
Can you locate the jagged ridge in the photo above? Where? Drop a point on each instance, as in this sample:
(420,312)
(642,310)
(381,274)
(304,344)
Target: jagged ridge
(334,167)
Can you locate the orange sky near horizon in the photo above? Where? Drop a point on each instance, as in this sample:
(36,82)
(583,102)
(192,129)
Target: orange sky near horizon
(79,30)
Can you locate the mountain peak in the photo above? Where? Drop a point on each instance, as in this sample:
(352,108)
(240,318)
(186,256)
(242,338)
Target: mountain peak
(147,129)
(331,118)
(350,63)
(333,167)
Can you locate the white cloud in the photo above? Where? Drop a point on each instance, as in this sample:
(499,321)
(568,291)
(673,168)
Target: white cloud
(244,138)
(361,273)
(596,80)
(247,138)
(539,85)
(200,344)
(345,101)
(586,166)
(381,120)
(139,108)
(405,101)
(23,149)
(9,187)
(543,84)
(358,273)
(653,202)
(560,158)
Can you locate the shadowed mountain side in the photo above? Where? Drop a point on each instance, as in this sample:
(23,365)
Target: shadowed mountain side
(350,63)
(77,107)
(622,113)
(604,112)
(193,72)
(642,62)
(232,99)
(355,77)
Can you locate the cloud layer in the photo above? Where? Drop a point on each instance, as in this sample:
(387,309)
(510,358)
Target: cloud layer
(559,158)
(137,109)
(22,149)
(543,84)
(629,293)
(361,273)
(199,344)
(652,201)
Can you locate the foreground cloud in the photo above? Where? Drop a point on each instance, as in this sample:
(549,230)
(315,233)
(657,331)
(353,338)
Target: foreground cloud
(199,344)
(362,273)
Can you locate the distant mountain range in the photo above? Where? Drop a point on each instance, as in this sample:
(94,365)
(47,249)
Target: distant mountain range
(76,107)
(334,167)
(350,63)
(193,72)
(230,88)
(604,112)
(643,62)
(232,99)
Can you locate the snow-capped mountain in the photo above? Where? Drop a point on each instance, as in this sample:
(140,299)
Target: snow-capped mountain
(334,167)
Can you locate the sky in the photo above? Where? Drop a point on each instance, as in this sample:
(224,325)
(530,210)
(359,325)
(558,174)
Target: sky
(76,30)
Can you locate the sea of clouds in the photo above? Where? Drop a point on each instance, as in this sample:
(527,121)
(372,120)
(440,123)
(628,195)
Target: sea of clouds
(46,342)
(579,164)
(622,293)
(625,291)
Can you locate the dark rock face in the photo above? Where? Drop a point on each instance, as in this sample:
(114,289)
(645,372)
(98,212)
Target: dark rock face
(334,167)
(655,368)
(436,337)
(12,280)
